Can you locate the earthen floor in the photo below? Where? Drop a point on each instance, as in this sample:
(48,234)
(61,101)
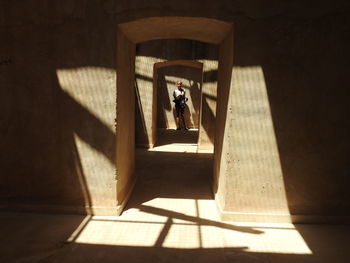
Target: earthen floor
(171,217)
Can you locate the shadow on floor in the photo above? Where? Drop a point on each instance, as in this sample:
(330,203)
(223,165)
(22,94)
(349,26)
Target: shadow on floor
(105,253)
(169,136)
(171,175)
(39,238)
(34,237)
(32,242)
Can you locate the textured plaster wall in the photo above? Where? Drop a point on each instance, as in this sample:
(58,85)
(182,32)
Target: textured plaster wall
(58,101)
(251,160)
(302,64)
(57,108)
(209,101)
(146,98)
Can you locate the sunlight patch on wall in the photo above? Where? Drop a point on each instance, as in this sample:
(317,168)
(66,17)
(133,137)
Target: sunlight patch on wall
(92,92)
(96,167)
(252,161)
(210,82)
(144,66)
(211,102)
(145,95)
(209,96)
(94,88)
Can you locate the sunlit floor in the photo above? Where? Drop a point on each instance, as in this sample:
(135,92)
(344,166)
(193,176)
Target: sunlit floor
(171,217)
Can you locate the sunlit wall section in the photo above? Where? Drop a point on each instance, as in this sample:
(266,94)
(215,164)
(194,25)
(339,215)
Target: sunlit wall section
(208,105)
(93,88)
(146,100)
(254,188)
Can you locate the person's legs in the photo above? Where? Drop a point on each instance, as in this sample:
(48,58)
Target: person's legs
(177,108)
(182,112)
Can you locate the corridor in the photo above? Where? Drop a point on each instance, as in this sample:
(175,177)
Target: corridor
(171,217)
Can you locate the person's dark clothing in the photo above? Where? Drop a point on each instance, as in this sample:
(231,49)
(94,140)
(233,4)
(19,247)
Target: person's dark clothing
(179,110)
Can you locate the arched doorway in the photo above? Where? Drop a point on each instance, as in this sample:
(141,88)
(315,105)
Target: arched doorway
(128,35)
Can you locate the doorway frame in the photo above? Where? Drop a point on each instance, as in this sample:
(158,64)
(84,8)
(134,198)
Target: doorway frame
(131,33)
(163,64)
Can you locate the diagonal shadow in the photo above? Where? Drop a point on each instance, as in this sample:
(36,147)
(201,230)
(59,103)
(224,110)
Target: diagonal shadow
(197,220)
(91,129)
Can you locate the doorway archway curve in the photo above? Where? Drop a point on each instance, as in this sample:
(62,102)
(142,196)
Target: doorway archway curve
(153,28)
(179,62)
(194,28)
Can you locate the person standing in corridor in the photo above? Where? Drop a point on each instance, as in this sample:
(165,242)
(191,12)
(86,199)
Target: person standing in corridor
(180,105)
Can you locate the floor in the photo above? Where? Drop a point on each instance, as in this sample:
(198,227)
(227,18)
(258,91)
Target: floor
(171,217)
